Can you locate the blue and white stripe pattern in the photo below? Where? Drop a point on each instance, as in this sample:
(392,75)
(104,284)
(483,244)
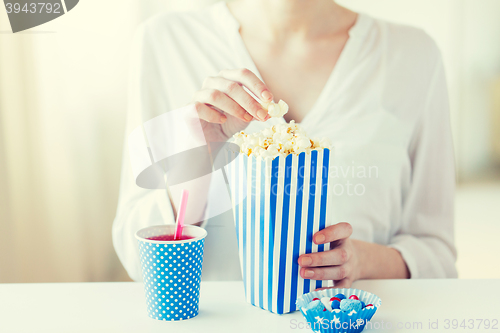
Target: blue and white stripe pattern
(278,205)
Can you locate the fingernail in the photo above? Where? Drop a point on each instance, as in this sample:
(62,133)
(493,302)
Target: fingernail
(308,273)
(262,114)
(248,117)
(266,95)
(305,261)
(319,239)
(223,119)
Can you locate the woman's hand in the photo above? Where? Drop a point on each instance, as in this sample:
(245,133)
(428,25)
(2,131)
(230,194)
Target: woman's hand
(349,260)
(340,264)
(225,108)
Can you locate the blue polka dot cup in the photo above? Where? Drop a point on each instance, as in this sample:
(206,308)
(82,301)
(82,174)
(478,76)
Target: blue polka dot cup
(171,271)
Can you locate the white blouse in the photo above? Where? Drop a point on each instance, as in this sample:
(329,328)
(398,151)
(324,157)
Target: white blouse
(384,107)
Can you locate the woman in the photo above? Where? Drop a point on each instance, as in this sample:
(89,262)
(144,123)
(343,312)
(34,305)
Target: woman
(375,89)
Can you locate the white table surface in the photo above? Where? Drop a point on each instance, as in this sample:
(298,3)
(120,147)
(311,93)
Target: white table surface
(120,307)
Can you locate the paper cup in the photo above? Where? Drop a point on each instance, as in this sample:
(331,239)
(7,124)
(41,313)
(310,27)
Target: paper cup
(171,271)
(278,205)
(338,321)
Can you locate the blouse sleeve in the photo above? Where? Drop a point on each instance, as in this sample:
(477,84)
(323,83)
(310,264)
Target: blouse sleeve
(426,237)
(138,207)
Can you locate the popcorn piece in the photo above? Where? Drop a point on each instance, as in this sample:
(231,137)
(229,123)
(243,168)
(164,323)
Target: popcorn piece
(281,139)
(276,109)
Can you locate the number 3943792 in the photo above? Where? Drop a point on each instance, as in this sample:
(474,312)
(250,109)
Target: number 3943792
(33,8)
(471,324)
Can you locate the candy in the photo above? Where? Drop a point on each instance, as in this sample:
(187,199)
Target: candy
(335,304)
(315,305)
(347,305)
(340,296)
(326,302)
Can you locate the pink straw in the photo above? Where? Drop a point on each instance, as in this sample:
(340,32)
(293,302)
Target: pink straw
(180,215)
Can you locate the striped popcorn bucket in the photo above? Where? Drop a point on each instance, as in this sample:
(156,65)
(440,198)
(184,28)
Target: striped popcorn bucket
(278,205)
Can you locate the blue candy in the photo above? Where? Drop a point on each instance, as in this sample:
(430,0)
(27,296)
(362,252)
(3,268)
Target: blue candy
(340,296)
(335,304)
(347,305)
(315,305)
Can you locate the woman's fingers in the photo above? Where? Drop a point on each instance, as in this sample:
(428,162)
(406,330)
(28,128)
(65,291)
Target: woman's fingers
(333,233)
(208,114)
(344,283)
(225,93)
(337,256)
(325,273)
(221,101)
(247,78)
(323,288)
(236,92)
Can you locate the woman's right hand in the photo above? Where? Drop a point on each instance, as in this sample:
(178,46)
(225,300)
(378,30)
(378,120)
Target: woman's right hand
(225,108)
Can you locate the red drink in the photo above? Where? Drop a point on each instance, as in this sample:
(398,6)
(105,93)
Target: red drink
(169,238)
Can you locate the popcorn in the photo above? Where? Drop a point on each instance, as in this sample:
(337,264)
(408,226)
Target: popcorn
(276,109)
(281,139)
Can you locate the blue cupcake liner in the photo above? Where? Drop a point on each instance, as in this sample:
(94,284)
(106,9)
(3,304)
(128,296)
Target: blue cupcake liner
(338,321)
